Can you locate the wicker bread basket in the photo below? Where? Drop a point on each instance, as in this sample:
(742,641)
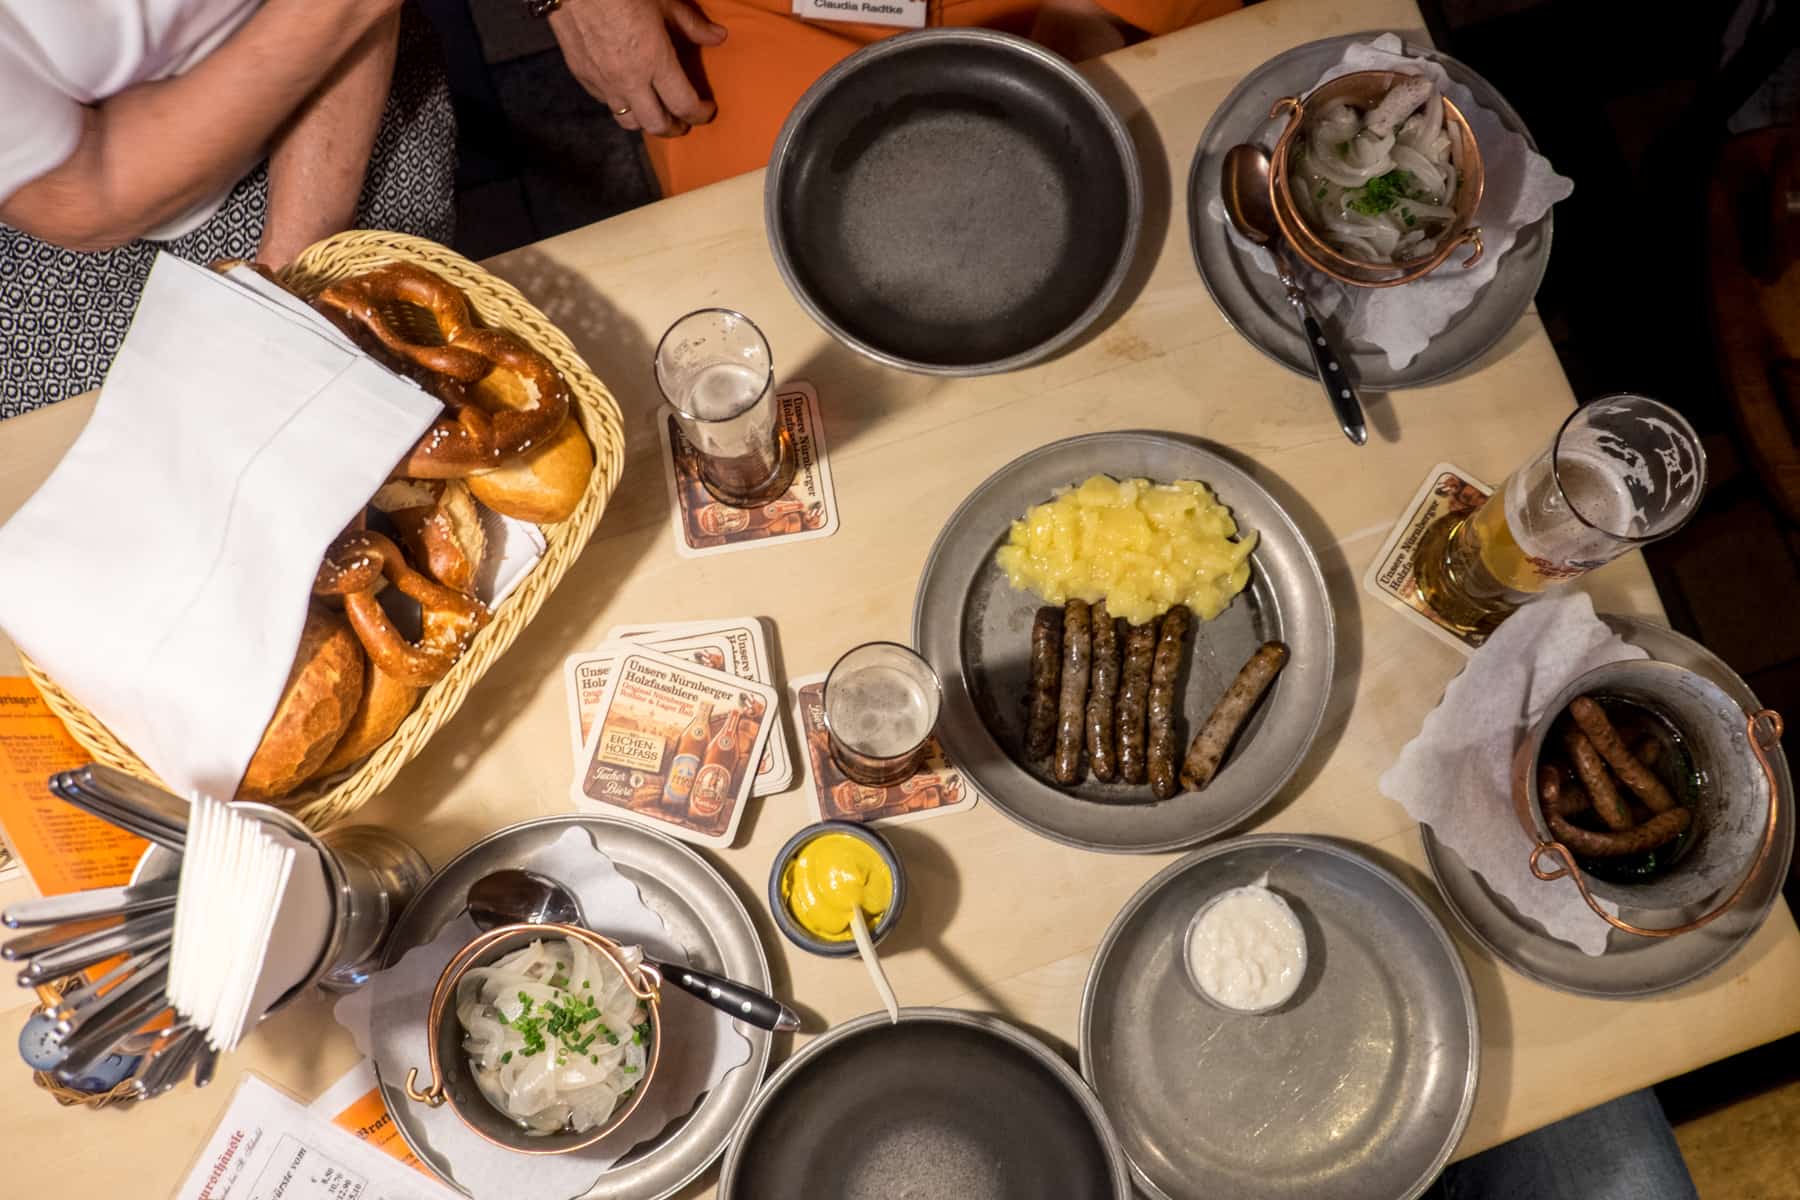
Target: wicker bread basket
(123,1092)
(498,304)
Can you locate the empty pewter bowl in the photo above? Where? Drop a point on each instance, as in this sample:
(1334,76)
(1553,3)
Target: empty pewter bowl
(943,1103)
(953,201)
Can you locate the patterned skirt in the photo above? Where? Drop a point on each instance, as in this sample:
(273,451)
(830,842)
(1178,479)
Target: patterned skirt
(63,312)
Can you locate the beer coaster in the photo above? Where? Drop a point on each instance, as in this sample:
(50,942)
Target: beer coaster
(805,511)
(1447,490)
(586,672)
(938,788)
(671,745)
(747,657)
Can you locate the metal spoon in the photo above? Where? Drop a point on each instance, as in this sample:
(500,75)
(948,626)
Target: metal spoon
(519,897)
(1244,186)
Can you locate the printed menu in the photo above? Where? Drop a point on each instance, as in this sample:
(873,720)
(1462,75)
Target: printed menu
(61,848)
(269,1147)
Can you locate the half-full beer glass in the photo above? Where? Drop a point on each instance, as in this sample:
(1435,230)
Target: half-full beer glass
(881,704)
(715,370)
(1622,471)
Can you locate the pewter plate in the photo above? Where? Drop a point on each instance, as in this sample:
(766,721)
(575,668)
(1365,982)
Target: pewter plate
(1632,966)
(1357,1089)
(942,1105)
(703,915)
(1254,302)
(975,630)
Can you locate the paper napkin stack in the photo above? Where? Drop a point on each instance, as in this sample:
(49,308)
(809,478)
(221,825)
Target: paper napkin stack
(251,919)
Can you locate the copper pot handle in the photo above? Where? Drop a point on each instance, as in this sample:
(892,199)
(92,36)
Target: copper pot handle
(433,1095)
(645,982)
(1284,104)
(1766,719)
(1468,237)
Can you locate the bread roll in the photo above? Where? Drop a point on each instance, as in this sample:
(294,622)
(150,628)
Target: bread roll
(385,703)
(439,525)
(543,485)
(323,689)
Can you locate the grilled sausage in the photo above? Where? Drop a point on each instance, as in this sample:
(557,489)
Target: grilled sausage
(1228,716)
(1560,794)
(1658,830)
(1046,669)
(1077,653)
(1632,773)
(1170,643)
(1134,695)
(1103,694)
(1600,789)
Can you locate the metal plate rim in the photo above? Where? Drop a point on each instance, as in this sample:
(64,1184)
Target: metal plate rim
(761,1043)
(1132,167)
(1309,843)
(946,537)
(1197,193)
(988,1023)
(1629,627)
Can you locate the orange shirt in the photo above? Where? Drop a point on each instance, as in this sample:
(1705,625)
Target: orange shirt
(772,57)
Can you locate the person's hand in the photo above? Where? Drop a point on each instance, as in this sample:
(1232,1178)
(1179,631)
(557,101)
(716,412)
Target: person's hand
(622,52)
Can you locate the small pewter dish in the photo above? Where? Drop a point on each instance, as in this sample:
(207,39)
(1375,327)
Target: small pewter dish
(798,934)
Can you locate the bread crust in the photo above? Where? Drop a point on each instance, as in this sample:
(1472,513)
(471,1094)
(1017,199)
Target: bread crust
(324,687)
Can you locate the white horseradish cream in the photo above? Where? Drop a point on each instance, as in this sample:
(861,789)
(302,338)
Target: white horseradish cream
(1246,950)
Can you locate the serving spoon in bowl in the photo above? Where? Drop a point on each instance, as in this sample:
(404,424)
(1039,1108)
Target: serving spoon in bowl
(515,896)
(1244,186)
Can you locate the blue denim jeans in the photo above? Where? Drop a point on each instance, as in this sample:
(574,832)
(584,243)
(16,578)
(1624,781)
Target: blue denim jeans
(1622,1150)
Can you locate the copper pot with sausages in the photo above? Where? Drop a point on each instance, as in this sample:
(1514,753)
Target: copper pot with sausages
(1648,786)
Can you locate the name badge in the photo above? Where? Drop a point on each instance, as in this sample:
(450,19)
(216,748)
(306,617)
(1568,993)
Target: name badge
(908,14)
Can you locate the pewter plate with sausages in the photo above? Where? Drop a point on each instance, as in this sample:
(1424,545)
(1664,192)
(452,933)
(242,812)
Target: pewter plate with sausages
(977,632)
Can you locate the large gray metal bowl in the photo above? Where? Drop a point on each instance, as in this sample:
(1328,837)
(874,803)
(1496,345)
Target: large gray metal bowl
(943,1103)
(1357,1089)
(953,201)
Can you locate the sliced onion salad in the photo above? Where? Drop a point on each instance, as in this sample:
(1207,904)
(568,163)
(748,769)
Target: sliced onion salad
(556,1039)
(1384,198)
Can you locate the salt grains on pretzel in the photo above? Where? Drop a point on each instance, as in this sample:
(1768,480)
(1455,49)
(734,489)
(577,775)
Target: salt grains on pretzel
(353,568)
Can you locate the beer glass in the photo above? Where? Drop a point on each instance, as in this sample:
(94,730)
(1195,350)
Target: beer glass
(881,704)
(715,370)
(1622,472)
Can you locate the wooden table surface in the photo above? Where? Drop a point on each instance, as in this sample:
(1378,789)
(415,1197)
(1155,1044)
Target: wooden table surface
(1000,920)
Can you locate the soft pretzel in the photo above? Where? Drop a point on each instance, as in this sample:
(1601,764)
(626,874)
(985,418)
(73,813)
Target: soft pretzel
(355,565)
(502,397)
(439,525)
(367,299)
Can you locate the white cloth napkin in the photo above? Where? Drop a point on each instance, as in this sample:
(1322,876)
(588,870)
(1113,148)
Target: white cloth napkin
(1520,188)
(161,574)
(1456,776)
(701,1045)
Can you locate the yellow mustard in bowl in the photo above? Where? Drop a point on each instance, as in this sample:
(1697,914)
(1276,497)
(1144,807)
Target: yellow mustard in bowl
(831,876)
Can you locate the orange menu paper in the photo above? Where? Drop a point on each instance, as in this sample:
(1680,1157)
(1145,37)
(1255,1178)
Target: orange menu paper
(61,848)
(354,1103)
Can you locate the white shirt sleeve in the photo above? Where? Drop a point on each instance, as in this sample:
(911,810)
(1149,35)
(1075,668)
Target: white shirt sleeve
(40,125)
